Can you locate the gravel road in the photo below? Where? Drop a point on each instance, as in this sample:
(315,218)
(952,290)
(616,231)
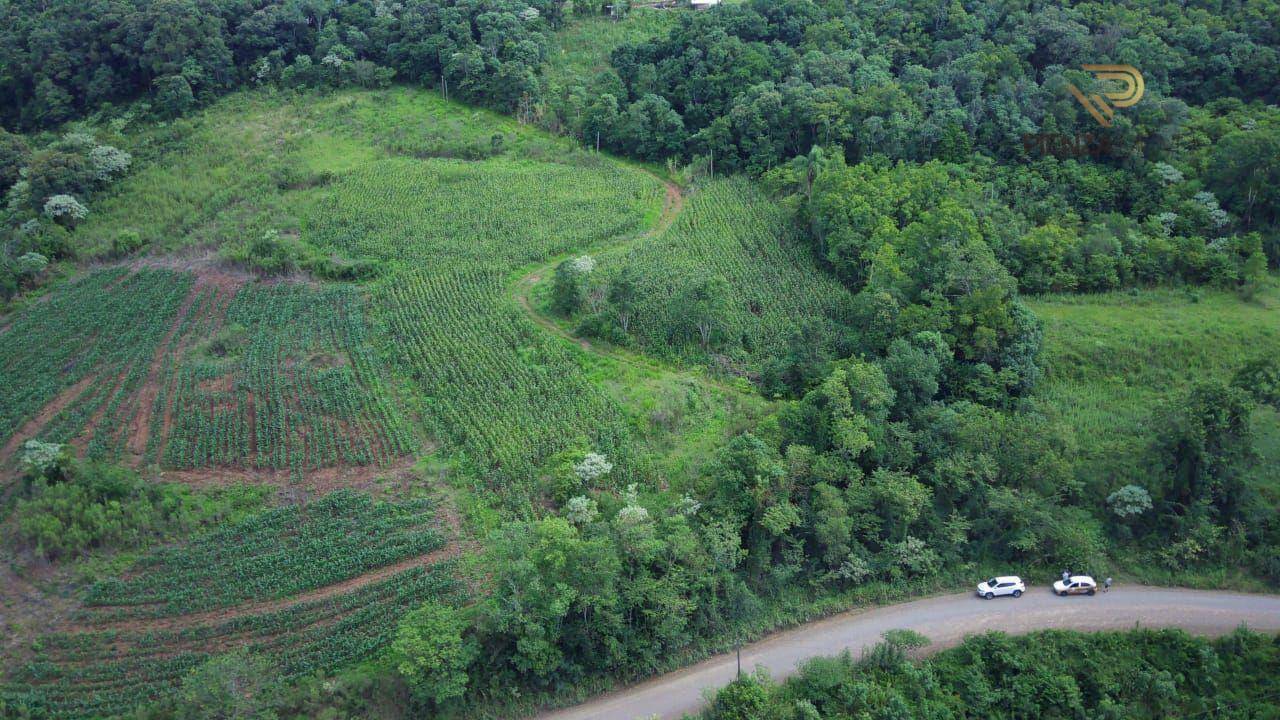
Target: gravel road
(946,621)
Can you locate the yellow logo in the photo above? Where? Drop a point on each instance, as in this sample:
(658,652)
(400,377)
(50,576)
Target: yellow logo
(1097,104)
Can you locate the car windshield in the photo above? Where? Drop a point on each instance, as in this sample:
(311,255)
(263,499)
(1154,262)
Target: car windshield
(991,582)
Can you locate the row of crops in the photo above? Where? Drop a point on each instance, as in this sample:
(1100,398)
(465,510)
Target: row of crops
(293,384)
(104,329)
(274,554)
(731,230)
(97,674)
(499,391)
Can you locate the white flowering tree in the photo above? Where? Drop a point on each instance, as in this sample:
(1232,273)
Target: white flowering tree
(581,510)
(1129,500)
(109,162)
(65,209)
(593,467)
(32,264)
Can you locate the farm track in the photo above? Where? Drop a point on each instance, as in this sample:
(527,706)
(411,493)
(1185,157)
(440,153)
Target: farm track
(522,290)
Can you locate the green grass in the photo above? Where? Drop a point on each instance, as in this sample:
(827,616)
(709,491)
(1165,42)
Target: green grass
(581,49)
(245,164)
(1114,361)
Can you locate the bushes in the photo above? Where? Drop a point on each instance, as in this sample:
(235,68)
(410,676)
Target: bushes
(91,506)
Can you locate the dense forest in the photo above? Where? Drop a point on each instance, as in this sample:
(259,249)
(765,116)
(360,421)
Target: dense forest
(887,217)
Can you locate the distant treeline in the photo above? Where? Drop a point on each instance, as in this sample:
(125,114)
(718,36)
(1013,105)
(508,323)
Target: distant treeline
(65,58)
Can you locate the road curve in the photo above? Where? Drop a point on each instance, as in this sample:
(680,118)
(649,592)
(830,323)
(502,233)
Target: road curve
(946,621)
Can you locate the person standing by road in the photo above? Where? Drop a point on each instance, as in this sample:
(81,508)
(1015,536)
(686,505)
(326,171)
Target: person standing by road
(1066,576)
(1106,585)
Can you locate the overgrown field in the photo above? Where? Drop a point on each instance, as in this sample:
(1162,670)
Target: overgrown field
(1113,361)
(580,50)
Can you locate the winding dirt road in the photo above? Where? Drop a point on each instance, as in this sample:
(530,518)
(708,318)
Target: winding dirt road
(946,621)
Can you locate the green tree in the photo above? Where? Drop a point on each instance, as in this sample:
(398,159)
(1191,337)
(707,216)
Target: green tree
(1260,377)
(705,308)
(1245,172)
(742,699)
(430,652)
(15,153)
(173,96)
(1206,443)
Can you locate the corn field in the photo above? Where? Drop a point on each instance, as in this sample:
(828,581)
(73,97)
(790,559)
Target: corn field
(108,673)
(729,229)
(303,391)
(274,554)
(92,340)
(489,383)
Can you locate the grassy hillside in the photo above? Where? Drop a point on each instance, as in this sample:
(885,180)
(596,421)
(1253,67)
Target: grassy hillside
(1113,360)
(446,202)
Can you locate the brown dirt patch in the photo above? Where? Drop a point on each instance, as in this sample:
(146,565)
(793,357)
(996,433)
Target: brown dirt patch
(26,611)
(319,481)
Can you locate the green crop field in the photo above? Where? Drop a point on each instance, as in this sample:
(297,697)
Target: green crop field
(291,382)
(276,554)
(105,673)
(91,345)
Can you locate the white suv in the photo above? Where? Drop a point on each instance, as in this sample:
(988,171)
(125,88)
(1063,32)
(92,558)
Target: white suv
(1003,585)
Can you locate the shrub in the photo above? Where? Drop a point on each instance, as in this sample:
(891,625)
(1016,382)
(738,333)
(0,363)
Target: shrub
(126,242)
(230,687)
(14,155)
(73,507)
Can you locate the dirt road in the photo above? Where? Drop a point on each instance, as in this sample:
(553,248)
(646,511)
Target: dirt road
(945,620)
